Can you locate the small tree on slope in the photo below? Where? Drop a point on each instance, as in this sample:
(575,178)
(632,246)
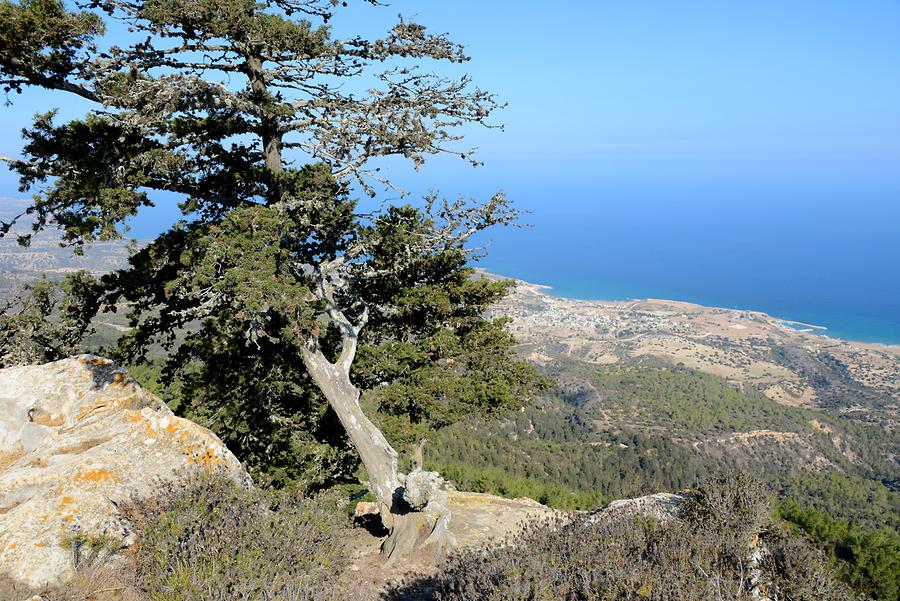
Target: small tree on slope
(272,261)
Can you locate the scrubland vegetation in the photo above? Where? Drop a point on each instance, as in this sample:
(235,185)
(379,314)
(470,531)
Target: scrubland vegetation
(212,540)
(558,453)
(725,546)
(866,558)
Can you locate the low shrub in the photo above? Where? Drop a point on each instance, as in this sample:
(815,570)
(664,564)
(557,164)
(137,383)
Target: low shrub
(866,558)
(797,570)
(706,554)
(211,540)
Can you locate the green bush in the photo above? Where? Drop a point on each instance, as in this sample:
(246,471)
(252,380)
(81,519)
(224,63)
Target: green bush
(211,540)
(703,555)
(866,558)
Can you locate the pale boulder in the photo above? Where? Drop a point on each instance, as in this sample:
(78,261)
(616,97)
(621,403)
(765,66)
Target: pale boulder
(662,507)
(77,438)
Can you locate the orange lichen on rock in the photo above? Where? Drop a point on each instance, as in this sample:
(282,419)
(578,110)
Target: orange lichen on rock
(107,405)
(95,475)
(121,379)
(149,430)
(210,458)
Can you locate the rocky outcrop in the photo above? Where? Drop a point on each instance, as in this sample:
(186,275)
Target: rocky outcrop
(77,438)
(662,507)
(482,520)
(475,520)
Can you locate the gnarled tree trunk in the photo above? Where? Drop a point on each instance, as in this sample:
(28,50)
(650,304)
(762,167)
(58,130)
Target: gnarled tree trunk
(376,453)
(413,508)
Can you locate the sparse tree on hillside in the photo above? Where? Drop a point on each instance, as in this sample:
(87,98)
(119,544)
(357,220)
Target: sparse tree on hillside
(262,122)
(48,320)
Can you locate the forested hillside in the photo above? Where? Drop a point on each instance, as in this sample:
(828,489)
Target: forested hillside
(648,429)
(663,428)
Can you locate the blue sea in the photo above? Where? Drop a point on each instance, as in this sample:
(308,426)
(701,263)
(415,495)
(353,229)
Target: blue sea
(815,242)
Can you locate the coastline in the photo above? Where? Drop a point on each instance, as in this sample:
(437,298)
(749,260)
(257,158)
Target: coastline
(822,332)
(806,328)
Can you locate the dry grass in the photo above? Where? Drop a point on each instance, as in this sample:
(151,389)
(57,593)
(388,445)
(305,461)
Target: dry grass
(89,584)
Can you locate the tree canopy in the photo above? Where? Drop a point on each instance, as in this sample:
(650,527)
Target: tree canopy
(276,296)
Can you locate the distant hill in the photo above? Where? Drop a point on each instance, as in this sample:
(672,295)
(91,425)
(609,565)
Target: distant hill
(653,396)
(791,364)
(46,257)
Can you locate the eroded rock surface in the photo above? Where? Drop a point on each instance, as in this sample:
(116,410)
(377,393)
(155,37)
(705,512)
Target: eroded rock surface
(78,437)
(662,507)
(482,518)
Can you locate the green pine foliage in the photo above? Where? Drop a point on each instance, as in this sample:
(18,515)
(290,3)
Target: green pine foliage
(687,402)
(48,320)
(867,559)
(691,406)
(644,433)
(272,266)
(575,474)
(868,503)
(559,453)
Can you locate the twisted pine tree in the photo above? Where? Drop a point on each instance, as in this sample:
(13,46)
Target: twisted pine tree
(278,299)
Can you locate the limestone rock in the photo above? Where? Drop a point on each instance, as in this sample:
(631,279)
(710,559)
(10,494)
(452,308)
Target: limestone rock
(78,437)
(421,488)
(480,518)
(660,506)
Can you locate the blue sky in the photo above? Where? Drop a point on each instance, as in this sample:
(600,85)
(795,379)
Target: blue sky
(647,80)
(687,79)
